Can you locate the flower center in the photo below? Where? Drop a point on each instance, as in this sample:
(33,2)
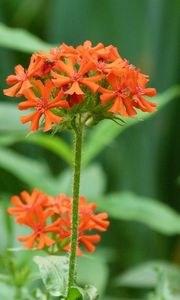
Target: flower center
(101,63)
(122,92)
(48,66)
(76,76)
(22,77)
(139,90)
(38,229)
(42,105)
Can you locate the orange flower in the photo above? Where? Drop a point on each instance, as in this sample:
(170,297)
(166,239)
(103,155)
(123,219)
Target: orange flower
(75,77)
(126,93)
(37,221)
(27,203)
(88,221)
(88,50)
(22,80)
(61,204)
(42,105)
(88,241)
(47,215)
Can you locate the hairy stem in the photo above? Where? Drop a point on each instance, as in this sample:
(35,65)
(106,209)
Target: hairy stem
(75,219)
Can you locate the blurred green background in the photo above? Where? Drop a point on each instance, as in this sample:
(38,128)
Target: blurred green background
(137,166)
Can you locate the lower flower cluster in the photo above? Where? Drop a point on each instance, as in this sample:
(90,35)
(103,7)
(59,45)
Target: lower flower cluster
(49,218)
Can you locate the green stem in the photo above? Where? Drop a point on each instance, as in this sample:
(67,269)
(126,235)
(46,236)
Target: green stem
(75,218)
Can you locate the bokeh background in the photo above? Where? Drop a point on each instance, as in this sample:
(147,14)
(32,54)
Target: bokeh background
(140,163)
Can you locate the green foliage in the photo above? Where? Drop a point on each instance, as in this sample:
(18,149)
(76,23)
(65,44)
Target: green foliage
(128,206)
(20,39)
(88,293)
(145,275)
(106,132)
(54,273)
(9,118)
(29,171)
(52,143)
(160,275)
(164,290)
(6,291)
(97,274)
(154,46)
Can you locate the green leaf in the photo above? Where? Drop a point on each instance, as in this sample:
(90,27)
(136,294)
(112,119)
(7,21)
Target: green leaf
(97,274)
(145,274)
(165,289)
(26,169)
(36,174)
(75,293)
(6,292)
(88,293)
(9,121)
(54,273)
(105,132)
(52,143)
(130,207)
(20,39)
(9,118)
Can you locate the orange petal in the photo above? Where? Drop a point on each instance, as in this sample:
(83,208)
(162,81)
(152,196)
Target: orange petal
(25,85)
(89,240)
(75,89)
(30,240)
(68,67)
(60,80)
(19,69)
(91,85)
(34,118)
(29,94)
(107,96)
(118,107)
(15,200)
(12,90)
(11,79)
(150,92)
(26,104)
(49,119)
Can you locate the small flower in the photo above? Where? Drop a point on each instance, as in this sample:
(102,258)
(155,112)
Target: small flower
(42,106)
(74,78)
(21,81)
(127,93)
(27,203)
(88,221)
(61,204)
(37,222)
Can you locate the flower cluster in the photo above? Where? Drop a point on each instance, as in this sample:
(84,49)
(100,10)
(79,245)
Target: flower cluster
(93,81)
(49,218)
